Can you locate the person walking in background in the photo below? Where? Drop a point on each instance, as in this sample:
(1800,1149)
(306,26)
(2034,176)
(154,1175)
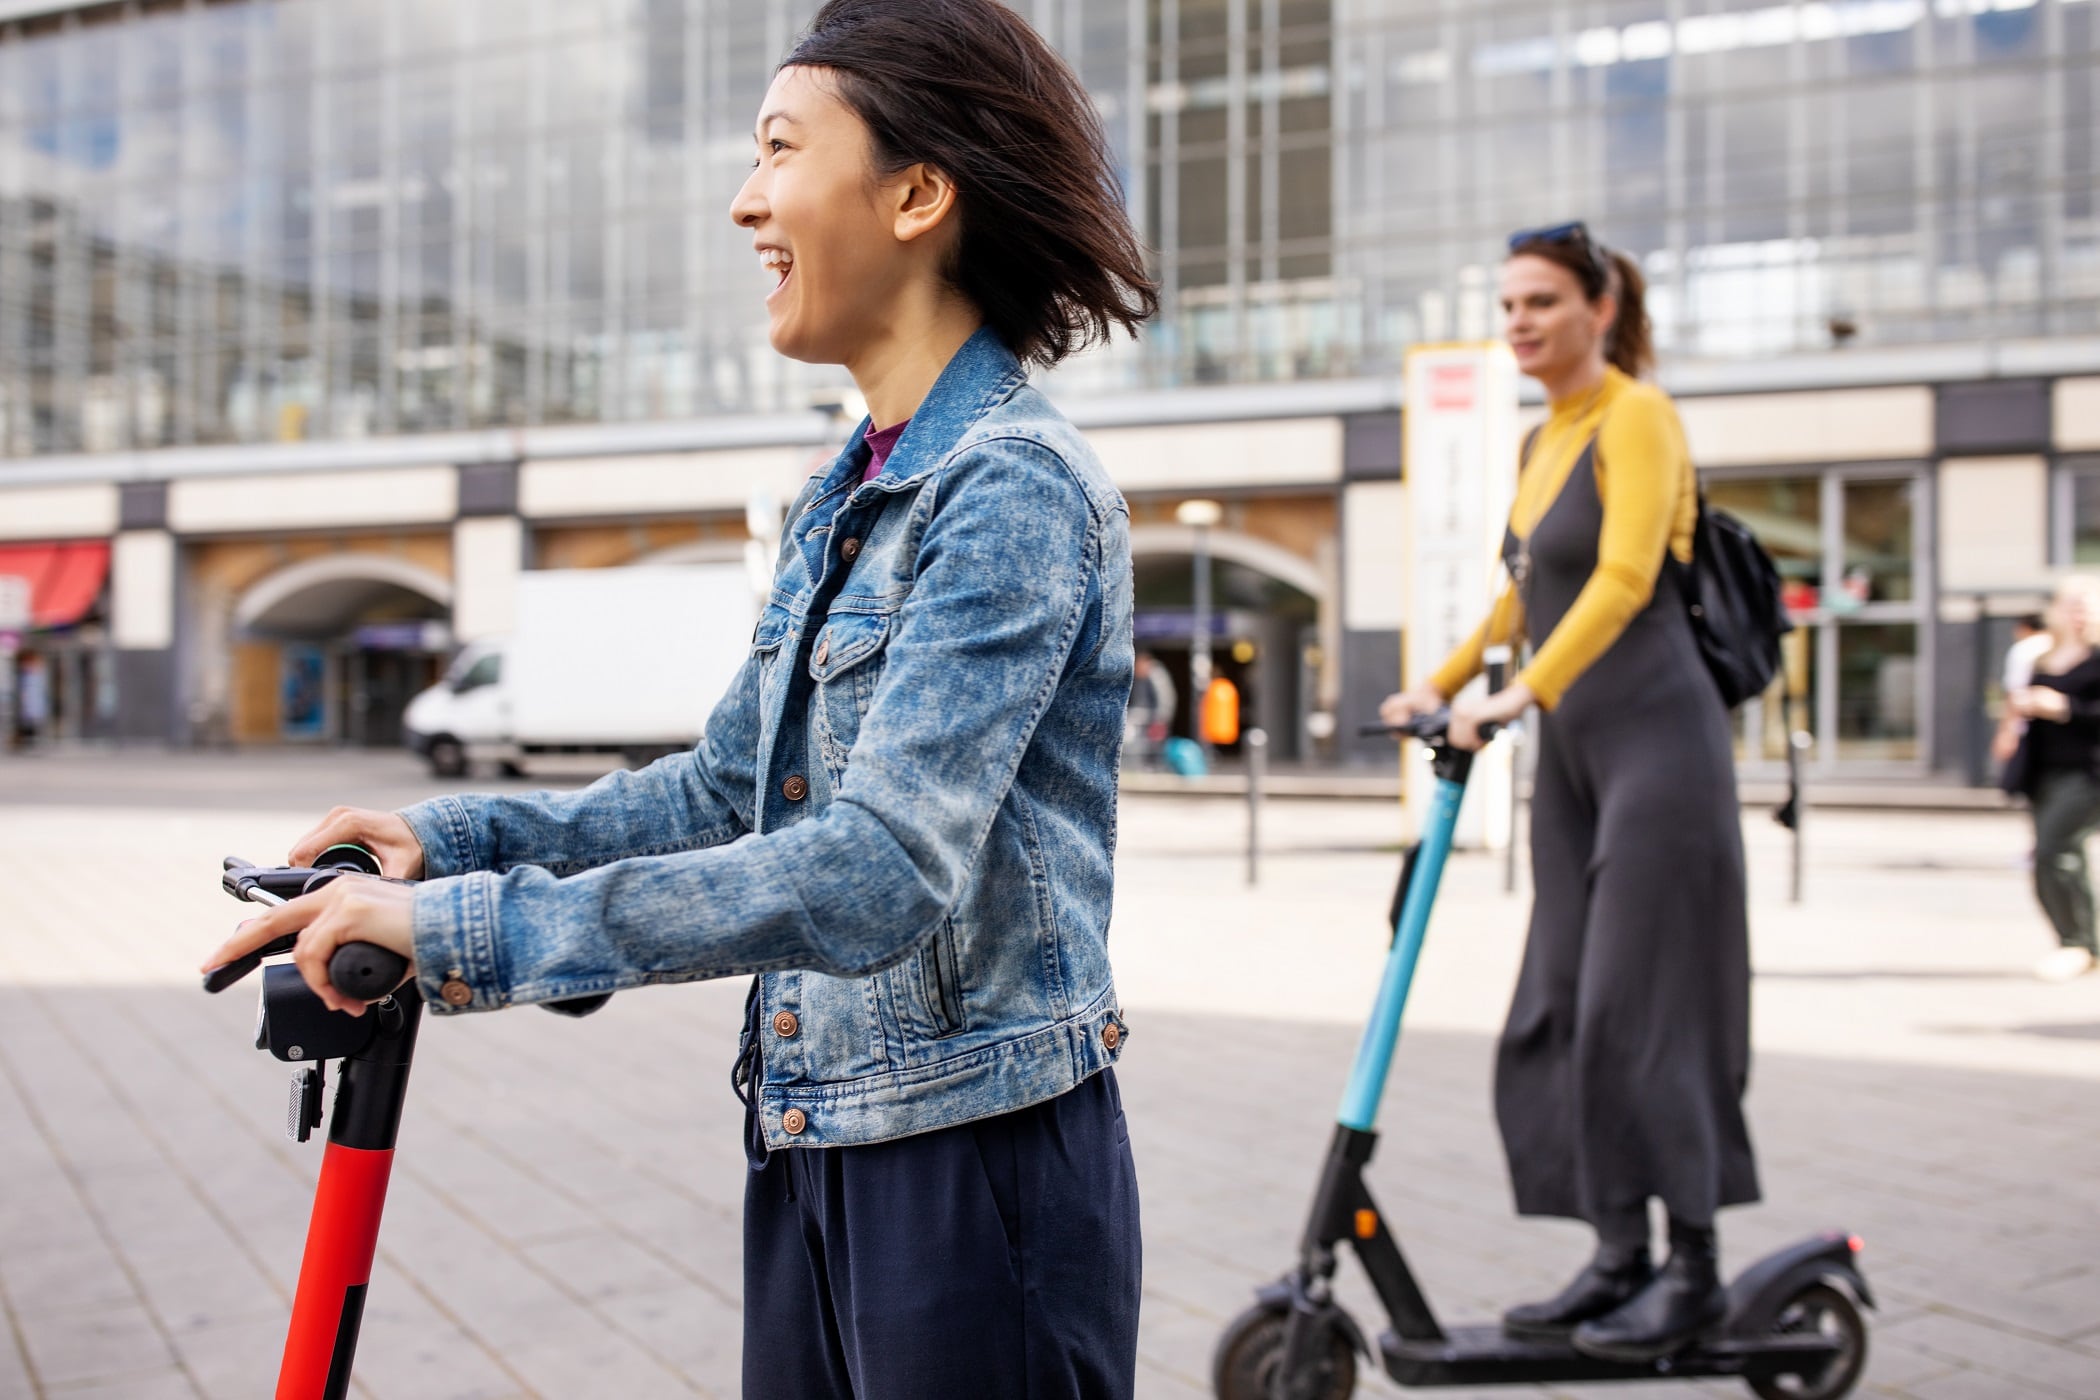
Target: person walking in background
(32,702)
(2049,742)
(2031,641)
(1620,1072)
(1150,716)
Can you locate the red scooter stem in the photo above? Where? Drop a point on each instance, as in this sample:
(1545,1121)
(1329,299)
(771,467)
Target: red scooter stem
(343,1233)
(340,1242)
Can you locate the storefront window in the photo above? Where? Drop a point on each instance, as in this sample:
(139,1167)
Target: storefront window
(2082,509)
(1845,541)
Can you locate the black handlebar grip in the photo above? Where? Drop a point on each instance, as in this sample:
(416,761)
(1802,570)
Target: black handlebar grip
(366,970)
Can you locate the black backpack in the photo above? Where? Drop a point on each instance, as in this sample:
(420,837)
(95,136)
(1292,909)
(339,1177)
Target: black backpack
(1731,590)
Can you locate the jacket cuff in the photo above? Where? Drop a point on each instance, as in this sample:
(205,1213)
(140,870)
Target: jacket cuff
(455,940)
(447,837)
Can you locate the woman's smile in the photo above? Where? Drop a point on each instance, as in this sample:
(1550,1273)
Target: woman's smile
(778,261)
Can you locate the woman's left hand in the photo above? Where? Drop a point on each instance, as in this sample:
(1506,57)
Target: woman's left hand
(1467,716)
(348,909)
(2041,702)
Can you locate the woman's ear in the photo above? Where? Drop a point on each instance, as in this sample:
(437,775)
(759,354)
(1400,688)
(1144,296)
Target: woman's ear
(925,199)
(1603,312)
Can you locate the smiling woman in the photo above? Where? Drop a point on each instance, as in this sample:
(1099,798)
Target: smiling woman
(902,814)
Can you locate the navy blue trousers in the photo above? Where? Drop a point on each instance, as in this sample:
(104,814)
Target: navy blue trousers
(997,1260)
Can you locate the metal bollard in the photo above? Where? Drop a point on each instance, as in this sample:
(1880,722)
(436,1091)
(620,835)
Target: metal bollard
(1256,742)
(1797,745)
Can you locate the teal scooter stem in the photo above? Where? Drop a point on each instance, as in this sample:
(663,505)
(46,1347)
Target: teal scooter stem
(1794,1326)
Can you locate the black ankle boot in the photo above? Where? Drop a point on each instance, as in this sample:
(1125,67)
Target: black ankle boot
(1683,1300)
(1606,1282)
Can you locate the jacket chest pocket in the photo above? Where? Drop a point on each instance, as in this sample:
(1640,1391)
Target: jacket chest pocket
(846,663)
(766,647)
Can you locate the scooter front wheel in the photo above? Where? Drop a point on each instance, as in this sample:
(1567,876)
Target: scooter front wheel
(1249,1360)
(1828,1310)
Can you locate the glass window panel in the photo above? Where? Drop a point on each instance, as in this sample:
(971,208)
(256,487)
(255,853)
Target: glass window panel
(1877,691)
(1786,515)
(1789,702)
(2085,517)
(1879,519)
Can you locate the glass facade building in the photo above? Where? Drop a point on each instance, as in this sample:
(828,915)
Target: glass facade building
(265,220)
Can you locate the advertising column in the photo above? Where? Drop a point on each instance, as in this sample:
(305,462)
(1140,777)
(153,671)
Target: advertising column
(1458,455)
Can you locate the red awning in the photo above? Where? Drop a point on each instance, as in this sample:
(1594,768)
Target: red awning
(64,578)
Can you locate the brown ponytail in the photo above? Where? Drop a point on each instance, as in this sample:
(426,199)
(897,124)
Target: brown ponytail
(1630,344)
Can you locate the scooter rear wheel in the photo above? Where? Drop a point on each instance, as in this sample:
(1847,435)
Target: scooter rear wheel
(1821,1308)
(1250,1355)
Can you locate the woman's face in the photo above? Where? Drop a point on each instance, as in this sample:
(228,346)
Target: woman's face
(2071,614)
(1552,328)
(825,230)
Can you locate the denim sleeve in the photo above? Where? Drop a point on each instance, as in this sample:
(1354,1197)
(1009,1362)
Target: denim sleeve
(1007,567)
(682,802)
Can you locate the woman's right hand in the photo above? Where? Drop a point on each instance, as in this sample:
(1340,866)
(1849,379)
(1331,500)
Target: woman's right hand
(384,834)
(1399,708)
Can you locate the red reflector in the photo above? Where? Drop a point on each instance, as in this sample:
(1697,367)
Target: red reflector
(1857,1244)
(1366,1224)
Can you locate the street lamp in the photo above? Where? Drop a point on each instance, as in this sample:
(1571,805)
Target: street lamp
(1200,516)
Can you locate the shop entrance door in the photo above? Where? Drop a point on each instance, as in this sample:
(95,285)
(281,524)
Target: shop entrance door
(1848,544)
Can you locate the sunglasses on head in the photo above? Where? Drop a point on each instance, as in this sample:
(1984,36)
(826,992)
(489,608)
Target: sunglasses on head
(1576,234)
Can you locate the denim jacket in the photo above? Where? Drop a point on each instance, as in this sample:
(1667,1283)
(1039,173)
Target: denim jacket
(902,813)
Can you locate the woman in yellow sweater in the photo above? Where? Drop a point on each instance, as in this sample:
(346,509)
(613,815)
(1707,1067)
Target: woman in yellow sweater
(1620,1073)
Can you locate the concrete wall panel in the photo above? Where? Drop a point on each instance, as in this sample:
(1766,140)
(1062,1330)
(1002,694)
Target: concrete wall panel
(487,556)
(658,484)
(1847,425)
(2076,417)
(1993,523)
(1374,583)
(142,590)
(1218,456)
(58,512)
(313,500)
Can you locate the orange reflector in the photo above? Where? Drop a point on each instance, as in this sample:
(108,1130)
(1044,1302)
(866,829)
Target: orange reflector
(1366,1224)
(1858,1245)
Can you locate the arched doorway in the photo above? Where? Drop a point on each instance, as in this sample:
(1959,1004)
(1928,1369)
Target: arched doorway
(1265,625)
(331,649)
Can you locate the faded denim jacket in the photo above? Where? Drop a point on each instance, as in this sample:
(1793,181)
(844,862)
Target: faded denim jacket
(902,813)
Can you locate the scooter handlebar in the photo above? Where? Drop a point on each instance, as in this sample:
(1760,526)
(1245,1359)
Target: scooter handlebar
(362,970)
(1430,726)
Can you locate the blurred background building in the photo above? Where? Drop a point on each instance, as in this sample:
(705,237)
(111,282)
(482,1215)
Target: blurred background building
(320,319)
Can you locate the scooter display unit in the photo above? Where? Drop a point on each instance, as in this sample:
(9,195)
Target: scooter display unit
(1794,1329)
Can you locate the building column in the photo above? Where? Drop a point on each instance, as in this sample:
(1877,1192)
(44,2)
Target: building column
(488,552)
(143,568)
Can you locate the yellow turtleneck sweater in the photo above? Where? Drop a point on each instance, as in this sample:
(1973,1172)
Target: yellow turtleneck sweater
(1651,502)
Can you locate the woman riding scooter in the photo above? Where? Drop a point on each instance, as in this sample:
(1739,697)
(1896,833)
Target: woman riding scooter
(902,815)
(1620,1073)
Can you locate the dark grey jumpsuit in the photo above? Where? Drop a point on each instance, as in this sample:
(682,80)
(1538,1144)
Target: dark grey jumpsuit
(1621,1071)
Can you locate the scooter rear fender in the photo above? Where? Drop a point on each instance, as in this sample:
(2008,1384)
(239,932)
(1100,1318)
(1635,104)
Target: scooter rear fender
(1282,1295)
(1757,1294)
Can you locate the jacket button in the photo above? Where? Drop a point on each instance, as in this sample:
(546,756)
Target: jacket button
(795,788)
(785,1025)
(849,549)
(793,1122)
(823,650)
(456,992)
(1111,1035)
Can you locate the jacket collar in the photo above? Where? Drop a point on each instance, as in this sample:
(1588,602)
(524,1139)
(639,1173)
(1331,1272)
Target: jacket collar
(980,376)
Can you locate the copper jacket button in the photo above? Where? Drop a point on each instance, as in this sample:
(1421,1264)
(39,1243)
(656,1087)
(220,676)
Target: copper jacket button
(793,1121)
(456,992)
(823,650)
(1111,1035)
(795,788)
(849,549)
(785,1025)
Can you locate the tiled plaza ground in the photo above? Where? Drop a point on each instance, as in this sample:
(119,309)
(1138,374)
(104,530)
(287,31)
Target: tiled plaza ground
(564,1216)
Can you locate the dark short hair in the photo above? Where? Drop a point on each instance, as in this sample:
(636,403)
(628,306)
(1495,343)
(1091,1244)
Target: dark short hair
(1047,252)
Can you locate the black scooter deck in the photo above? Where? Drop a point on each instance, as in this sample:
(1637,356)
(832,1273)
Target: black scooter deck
(1489,1356)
